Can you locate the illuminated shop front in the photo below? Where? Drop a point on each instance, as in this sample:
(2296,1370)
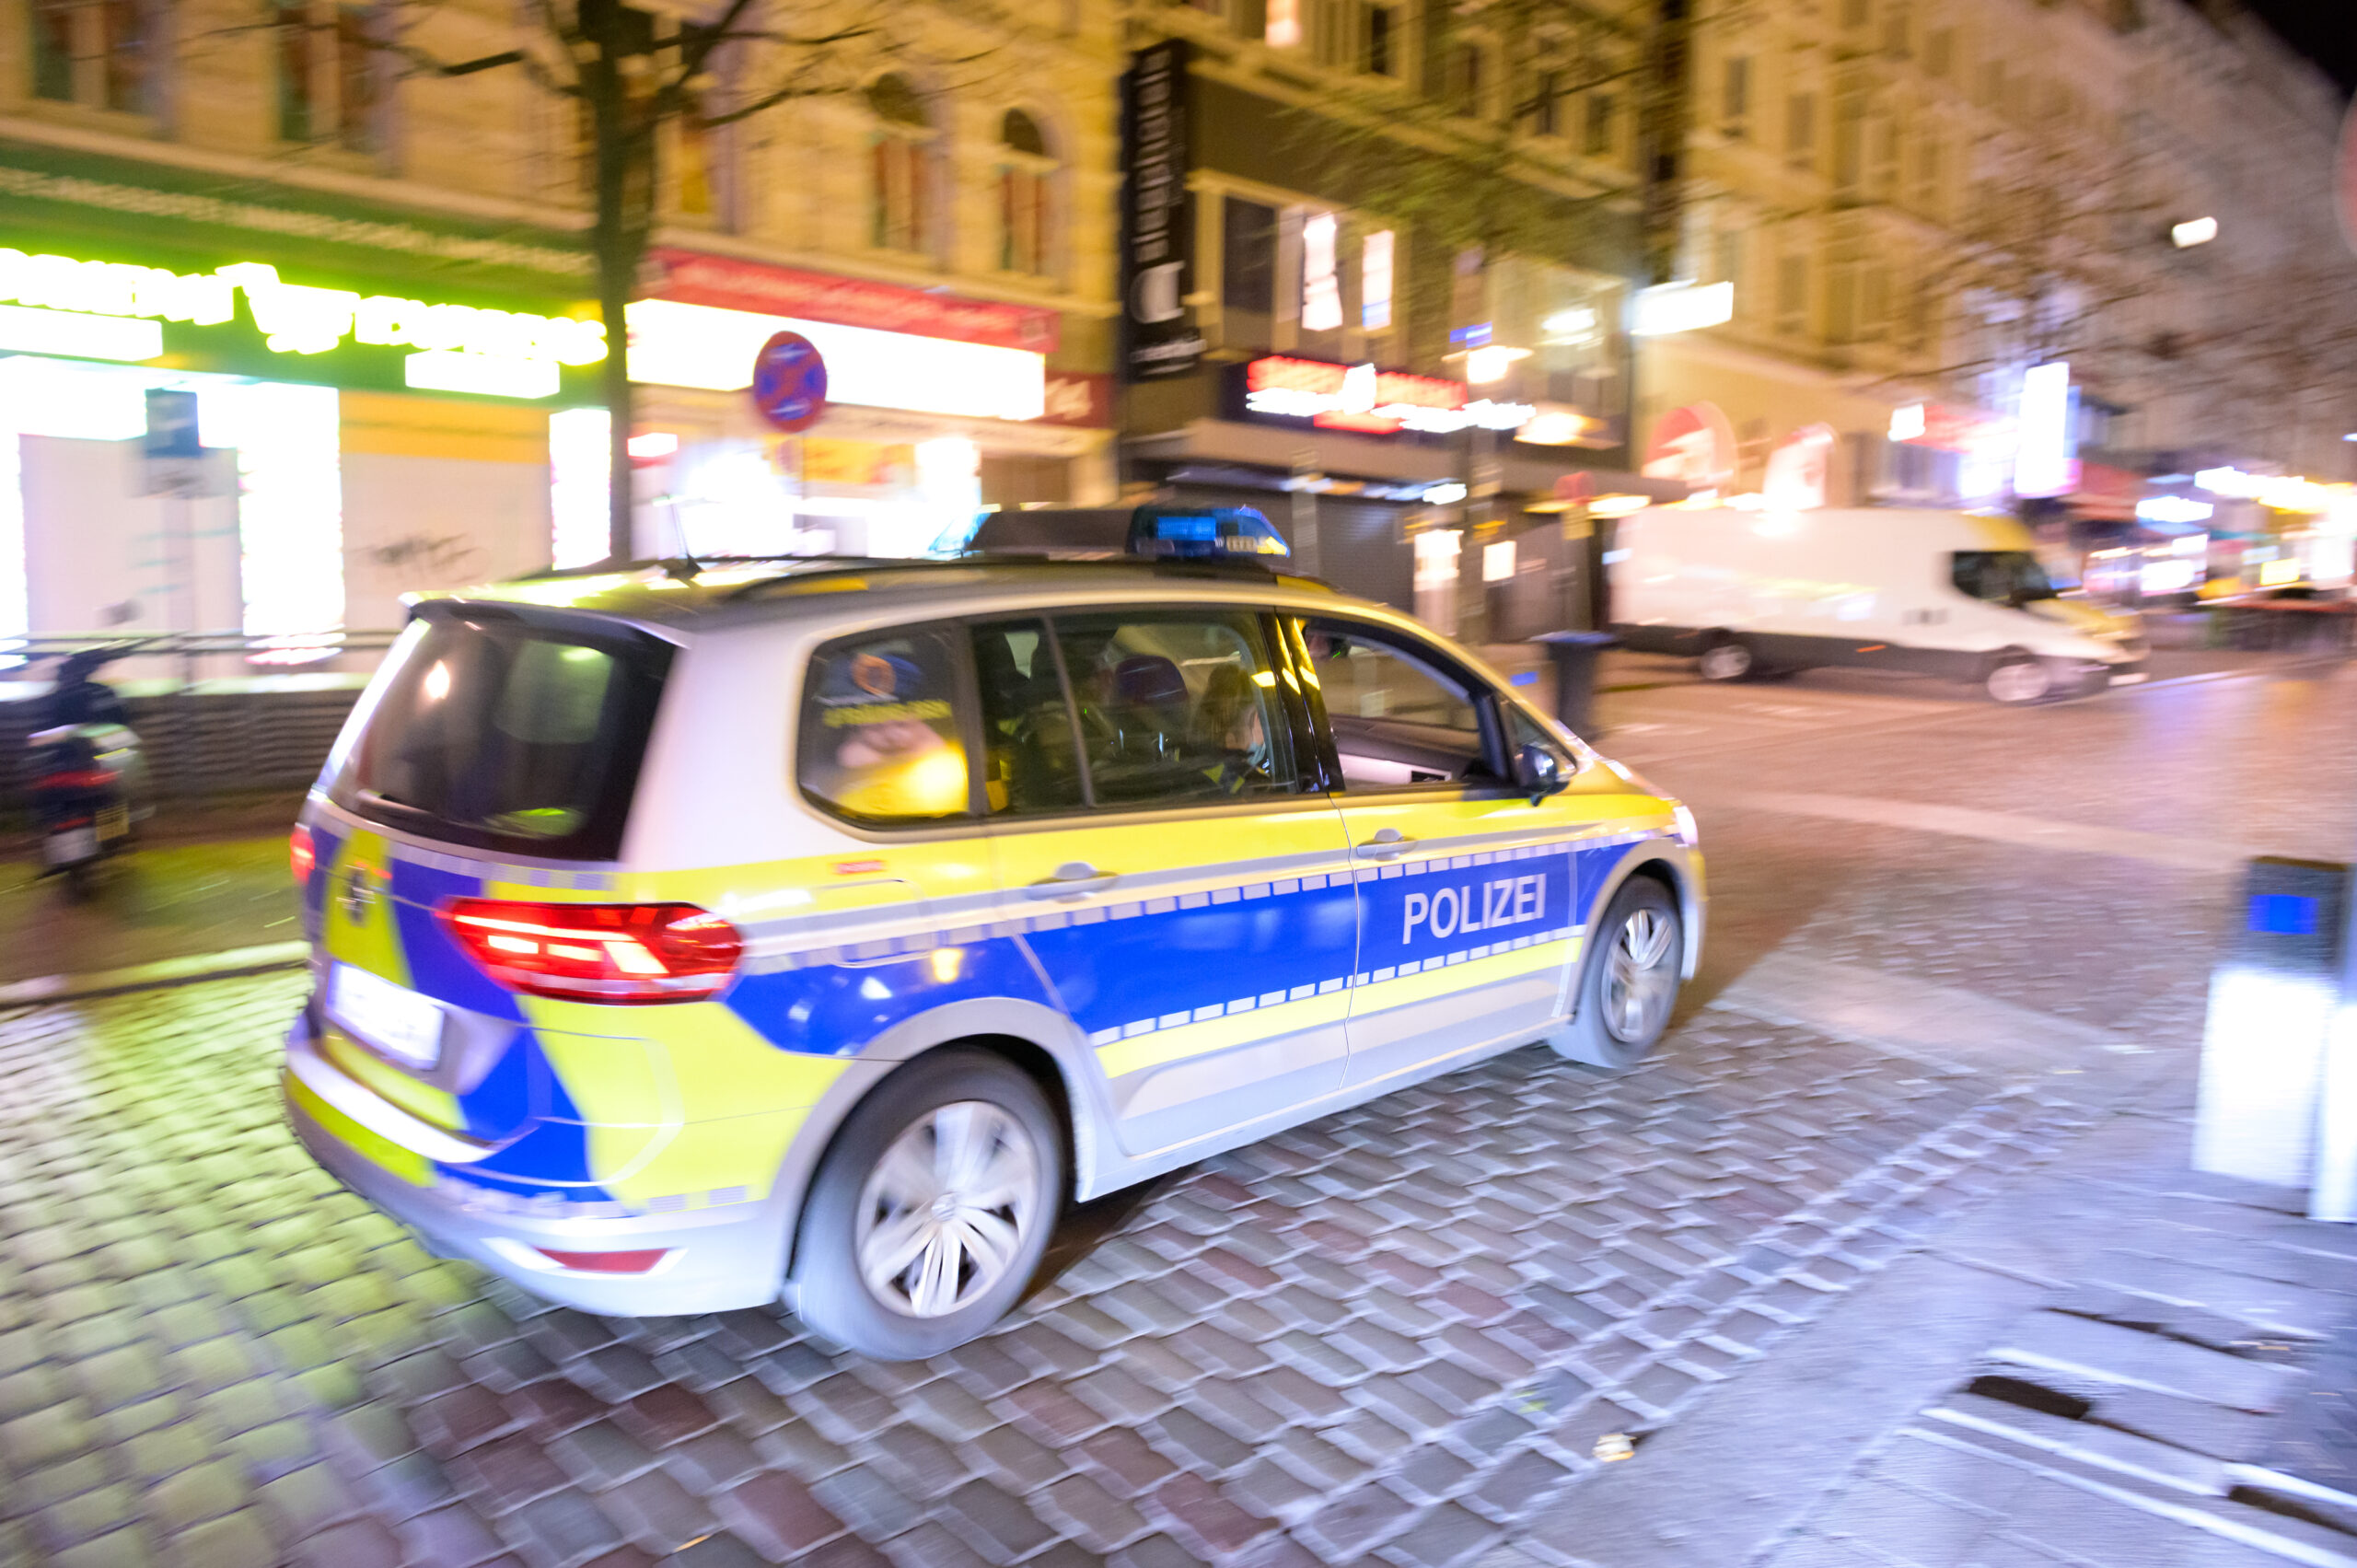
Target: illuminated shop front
(373,398)
(937,405)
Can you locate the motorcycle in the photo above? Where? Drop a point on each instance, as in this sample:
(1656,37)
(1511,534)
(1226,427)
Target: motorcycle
(88,778)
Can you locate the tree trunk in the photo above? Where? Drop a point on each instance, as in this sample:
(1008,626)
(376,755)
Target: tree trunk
(624,157)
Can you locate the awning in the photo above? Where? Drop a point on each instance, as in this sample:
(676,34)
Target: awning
(1521,470)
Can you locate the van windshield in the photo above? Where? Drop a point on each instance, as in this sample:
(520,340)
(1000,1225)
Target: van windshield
(2001,576)
(501,735)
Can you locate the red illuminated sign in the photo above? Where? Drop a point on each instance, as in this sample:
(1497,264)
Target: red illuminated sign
(1360,397)
(727,283)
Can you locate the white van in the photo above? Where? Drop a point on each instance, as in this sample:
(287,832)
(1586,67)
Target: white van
(1940,593)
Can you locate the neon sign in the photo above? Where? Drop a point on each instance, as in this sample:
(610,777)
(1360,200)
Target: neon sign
(1360,397)
(505,352)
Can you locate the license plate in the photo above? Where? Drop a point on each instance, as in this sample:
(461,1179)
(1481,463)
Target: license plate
(2131,679)
(391,1018)
(114,821)
(72,846)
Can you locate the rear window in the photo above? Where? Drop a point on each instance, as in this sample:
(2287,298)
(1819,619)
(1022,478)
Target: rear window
(505,735)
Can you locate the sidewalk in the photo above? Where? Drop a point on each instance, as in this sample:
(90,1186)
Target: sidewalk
(171,898)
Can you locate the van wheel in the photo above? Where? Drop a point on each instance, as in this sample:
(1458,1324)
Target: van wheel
(1630,987)
(2017,680)
(931,1210)
(1726,660)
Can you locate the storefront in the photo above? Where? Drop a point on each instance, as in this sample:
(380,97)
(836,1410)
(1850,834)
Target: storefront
(372,394)
(936,405)
(1412,490)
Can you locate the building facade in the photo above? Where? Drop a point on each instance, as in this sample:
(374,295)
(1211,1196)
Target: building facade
(1919,203)
(373,277)
(1379,259)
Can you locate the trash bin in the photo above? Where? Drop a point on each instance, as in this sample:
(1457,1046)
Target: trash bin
(1575,655)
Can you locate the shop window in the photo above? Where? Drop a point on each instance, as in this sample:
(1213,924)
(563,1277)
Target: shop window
(99,53)
(900,183)
(1025,191)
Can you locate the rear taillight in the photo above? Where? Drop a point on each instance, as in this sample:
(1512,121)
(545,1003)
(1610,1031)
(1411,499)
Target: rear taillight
(621,953)
(76,778)
(302,858)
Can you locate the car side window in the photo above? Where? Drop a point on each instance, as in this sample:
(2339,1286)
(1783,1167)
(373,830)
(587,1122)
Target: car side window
(1176,706)
(1031,758)
(879,738)
(1399,719)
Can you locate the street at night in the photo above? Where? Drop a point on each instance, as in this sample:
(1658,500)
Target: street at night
(1923,1119)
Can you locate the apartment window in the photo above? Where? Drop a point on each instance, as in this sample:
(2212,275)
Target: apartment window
(1727,258)
(1874,307)
(1884,171)
(1939,50)
(1735,98)
(331,74)
(1992,85)
(1842,302)
(1896,31)
(1791,295)
(1026,186)
(100,54)
(696,182)
(1800,128)
(1248,258)
(1382,57)
(1467,80)
(1545,96)
(1927,161)
(1849,145)
(900,197)
(1853,13)
(1596,135)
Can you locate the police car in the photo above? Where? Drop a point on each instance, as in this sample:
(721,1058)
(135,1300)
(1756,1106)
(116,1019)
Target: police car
(699,936)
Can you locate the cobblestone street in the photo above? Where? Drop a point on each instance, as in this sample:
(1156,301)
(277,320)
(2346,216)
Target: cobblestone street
(1954,948)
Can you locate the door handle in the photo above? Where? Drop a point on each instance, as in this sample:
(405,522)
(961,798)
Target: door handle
(1072,880)
(1387,843)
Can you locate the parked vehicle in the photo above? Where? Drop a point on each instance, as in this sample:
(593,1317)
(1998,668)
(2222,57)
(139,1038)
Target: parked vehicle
(685,938)
(86,778)
(1939,593)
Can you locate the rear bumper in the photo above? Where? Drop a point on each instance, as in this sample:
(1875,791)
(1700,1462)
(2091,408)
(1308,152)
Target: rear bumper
(721,1259)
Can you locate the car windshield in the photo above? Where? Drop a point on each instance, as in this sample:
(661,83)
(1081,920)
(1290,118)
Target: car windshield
(2001,576)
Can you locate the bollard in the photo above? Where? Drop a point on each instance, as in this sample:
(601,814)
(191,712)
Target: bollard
(2270,1099)
(1575,655)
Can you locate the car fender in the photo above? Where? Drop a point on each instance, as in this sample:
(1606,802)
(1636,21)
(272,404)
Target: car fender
(1050,1032)
(1685,869)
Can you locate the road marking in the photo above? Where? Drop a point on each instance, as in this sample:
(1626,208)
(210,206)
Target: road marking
(1915,1018)
(2188,852)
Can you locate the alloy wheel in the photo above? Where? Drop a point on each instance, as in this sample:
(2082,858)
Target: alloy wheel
(947,1209)
(1640,975)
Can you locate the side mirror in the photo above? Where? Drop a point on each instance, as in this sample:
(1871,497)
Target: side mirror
(1539,771)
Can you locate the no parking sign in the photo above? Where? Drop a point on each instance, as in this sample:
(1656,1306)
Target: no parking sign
(790,382)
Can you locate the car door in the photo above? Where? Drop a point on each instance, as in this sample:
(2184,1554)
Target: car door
(1469,921)
(1170,860)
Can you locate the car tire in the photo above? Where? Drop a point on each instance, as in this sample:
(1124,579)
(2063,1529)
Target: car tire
(1729,659)
(966,1256)
(2017,680)
(1640,939)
